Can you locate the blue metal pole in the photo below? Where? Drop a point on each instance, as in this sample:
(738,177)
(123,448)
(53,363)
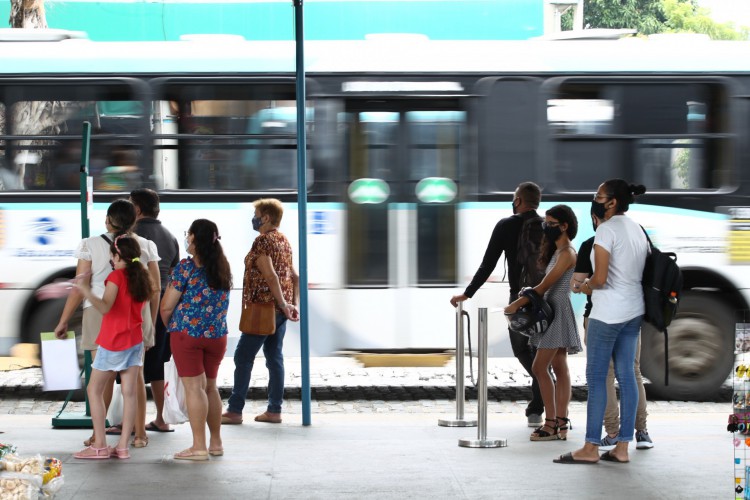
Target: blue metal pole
(299,38)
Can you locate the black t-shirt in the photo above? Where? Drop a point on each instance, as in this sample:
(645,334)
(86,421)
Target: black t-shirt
(583,265)
(504,239)
(166,245)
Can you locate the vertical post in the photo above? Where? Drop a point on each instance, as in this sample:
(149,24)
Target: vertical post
(460,377)
(85,233)
(86,188)
(482,441)
(299,38)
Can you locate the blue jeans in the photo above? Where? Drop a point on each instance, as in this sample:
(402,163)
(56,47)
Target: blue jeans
(617,342)
(244,358)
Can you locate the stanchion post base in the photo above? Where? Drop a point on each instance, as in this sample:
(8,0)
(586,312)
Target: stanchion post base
(483,443)
(73,420)
(457,423)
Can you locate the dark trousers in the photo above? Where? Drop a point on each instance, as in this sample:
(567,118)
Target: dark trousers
(524,352)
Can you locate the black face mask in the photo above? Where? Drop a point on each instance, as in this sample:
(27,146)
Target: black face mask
(552,232)
(112,264)
(598,209)
(593,223)
(515,207)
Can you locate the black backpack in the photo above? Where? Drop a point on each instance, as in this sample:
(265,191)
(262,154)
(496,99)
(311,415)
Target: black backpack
(529,248)
(662,286)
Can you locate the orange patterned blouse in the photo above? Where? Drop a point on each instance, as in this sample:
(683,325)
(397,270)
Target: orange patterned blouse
(277,247)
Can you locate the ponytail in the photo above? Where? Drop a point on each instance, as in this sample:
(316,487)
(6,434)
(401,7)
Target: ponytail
(140,285)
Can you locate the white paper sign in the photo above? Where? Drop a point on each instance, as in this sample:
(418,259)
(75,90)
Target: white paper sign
(60,363)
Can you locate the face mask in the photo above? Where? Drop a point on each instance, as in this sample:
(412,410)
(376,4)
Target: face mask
(515,207)
(112,264)
(187,243)
(552,233)
(593,223)
(257,223)
(598,209)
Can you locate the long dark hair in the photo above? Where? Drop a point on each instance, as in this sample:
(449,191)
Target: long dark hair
(206,241)
(121,215)
(564,215)
(140,285)
(623,192)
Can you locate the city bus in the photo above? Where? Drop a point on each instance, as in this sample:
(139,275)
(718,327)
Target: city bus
(415,147)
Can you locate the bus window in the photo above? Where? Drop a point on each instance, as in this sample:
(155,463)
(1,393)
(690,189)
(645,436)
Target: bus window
(230,135)
(45,124)
(665,134)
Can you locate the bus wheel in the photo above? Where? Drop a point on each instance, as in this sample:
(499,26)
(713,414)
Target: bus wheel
(701,350)
(45,318)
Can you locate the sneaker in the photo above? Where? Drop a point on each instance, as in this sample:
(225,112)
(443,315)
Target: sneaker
(608,443)
(643,441)
(535,420)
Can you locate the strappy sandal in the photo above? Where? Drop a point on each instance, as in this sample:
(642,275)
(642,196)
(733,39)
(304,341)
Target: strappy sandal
(541,435)
(139,442)
(91,453)
(562,430)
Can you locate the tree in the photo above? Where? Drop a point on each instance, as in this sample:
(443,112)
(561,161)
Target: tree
(645,16)
(684,16)
(649,17)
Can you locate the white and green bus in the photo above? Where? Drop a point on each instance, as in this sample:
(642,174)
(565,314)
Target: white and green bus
(415,148)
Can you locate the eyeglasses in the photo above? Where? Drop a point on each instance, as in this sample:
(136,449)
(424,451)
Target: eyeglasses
(550,224)
(605,196)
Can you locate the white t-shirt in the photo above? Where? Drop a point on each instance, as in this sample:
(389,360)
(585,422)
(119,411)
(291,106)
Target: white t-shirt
(96,250)
(621,297)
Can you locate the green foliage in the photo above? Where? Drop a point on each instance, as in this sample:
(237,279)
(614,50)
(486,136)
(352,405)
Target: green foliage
(646,16)
(655,16)
(685,17)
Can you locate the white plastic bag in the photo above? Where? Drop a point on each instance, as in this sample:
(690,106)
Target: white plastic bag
(175,406)
(114,413)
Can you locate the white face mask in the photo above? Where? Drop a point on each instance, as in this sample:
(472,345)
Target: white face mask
(187,244)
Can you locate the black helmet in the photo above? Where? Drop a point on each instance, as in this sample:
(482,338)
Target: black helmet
(533,318)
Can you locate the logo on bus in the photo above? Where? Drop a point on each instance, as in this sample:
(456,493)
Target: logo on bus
(43,230)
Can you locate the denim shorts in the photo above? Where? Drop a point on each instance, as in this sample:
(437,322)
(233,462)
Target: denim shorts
(117,361)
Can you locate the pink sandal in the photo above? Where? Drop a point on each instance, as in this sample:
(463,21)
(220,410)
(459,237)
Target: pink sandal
(121,453)
(91,453)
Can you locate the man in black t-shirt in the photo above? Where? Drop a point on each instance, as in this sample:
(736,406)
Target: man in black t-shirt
(504,239)
(147,225)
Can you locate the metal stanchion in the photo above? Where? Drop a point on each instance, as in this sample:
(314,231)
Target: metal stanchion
(482,441)
(459,421)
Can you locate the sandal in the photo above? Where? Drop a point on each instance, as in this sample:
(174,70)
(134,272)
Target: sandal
(121,453)
(90,440)
(217,452)
(189,454)
(541,435)
(91,453)
(139,442)
(563,429)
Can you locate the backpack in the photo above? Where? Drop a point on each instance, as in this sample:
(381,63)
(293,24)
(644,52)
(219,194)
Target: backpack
(662,286)
(529,247)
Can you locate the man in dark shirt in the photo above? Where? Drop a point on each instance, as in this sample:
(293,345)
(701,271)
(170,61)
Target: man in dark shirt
(146,203)
(505,239)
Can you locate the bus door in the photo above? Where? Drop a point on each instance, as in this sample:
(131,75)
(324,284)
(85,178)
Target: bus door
(402,161)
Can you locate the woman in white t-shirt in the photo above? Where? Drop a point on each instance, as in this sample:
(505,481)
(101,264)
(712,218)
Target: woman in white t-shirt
(620,250)
(94,261)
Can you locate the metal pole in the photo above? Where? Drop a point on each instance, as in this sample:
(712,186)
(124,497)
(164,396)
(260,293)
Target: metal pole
(460,378)
(482,441)
(304,339)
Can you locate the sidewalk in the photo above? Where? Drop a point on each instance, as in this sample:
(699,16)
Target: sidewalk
(394,455)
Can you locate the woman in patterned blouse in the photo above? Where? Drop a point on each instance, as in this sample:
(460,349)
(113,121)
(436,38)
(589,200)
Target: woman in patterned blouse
(194,308)
(269,277)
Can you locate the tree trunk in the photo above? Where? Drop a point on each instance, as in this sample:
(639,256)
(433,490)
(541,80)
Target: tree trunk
(27,14)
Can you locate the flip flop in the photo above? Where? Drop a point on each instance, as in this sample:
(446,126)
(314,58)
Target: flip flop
(155,428)
(609,457)
(569,459)
(217,452)
(189,454)
(116,430)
